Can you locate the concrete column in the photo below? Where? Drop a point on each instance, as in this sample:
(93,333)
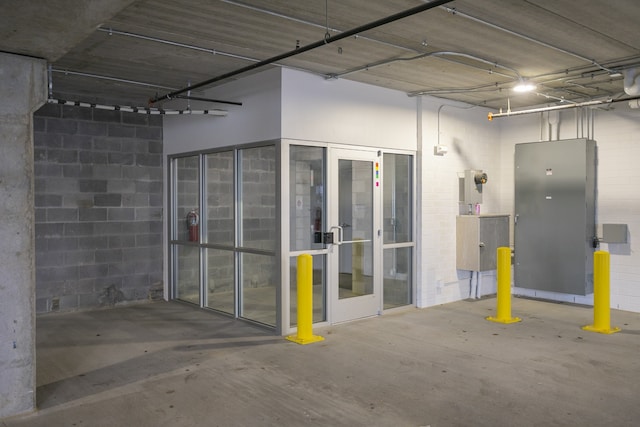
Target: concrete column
(23,89)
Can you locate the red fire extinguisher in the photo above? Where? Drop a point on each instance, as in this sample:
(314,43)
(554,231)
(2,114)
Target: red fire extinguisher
(193,220)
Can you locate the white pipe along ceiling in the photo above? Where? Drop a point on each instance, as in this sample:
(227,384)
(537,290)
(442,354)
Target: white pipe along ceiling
(459,50)
(632,81)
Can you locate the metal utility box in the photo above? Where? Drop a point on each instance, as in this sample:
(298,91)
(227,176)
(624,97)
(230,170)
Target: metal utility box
(614,233)
(477,239)
(555,215)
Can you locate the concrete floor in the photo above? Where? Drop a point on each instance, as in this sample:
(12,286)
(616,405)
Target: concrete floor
(166,364)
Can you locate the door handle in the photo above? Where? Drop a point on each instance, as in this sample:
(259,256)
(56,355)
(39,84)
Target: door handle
(356,241)
(339,242)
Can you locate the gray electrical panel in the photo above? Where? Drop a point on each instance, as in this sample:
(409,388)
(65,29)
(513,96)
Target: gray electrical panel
(555,215)
(477,239)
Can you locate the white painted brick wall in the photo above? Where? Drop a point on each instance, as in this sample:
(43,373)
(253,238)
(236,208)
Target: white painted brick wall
(473,143)
(476,143)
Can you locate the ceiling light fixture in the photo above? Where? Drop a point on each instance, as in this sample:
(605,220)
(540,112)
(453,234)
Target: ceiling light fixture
(524,86)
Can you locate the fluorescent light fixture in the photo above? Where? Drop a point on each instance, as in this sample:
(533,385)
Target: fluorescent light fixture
(524,86)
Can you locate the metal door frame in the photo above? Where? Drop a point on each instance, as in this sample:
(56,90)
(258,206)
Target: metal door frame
(366,305)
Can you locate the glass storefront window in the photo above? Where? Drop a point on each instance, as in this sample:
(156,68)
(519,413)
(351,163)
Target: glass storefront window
(306,205)
(319,289)
(397,277)
(355,216)
(188,200)
(238,253)
(221,280)
(229,263)
(397,198)
(220,199)
(187,275)
(259,281)
(257,188)
(397,230)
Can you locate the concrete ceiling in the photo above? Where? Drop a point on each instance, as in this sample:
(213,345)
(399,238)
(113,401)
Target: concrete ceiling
(128,51)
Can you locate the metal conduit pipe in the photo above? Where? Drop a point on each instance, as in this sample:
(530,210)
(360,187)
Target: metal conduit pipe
(384,62)
(313,24)
(490,71)
(475,58)
(555,98)
(132,82)
(492,116)
(482,88)
(113,79)
(111,31)
(567,75)
(620,64)
(199,98)
(579,95)
(451,106)
(302,49)
(456,12)
(587,86)
(498,87)
(426,55)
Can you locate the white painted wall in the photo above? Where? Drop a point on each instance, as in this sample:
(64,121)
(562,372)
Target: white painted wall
(617,133)
(473,143)
(258,119)
(344,112)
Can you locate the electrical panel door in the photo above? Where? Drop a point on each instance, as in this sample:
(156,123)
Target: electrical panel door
(555,215)
(477,239)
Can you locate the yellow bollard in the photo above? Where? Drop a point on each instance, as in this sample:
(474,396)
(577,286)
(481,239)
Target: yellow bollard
(503,309)
(305,302)
(601,295)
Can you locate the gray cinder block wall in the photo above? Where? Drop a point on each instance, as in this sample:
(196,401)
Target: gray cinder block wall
(98,201)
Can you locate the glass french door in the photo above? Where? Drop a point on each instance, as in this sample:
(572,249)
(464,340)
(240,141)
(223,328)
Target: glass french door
(354,221)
